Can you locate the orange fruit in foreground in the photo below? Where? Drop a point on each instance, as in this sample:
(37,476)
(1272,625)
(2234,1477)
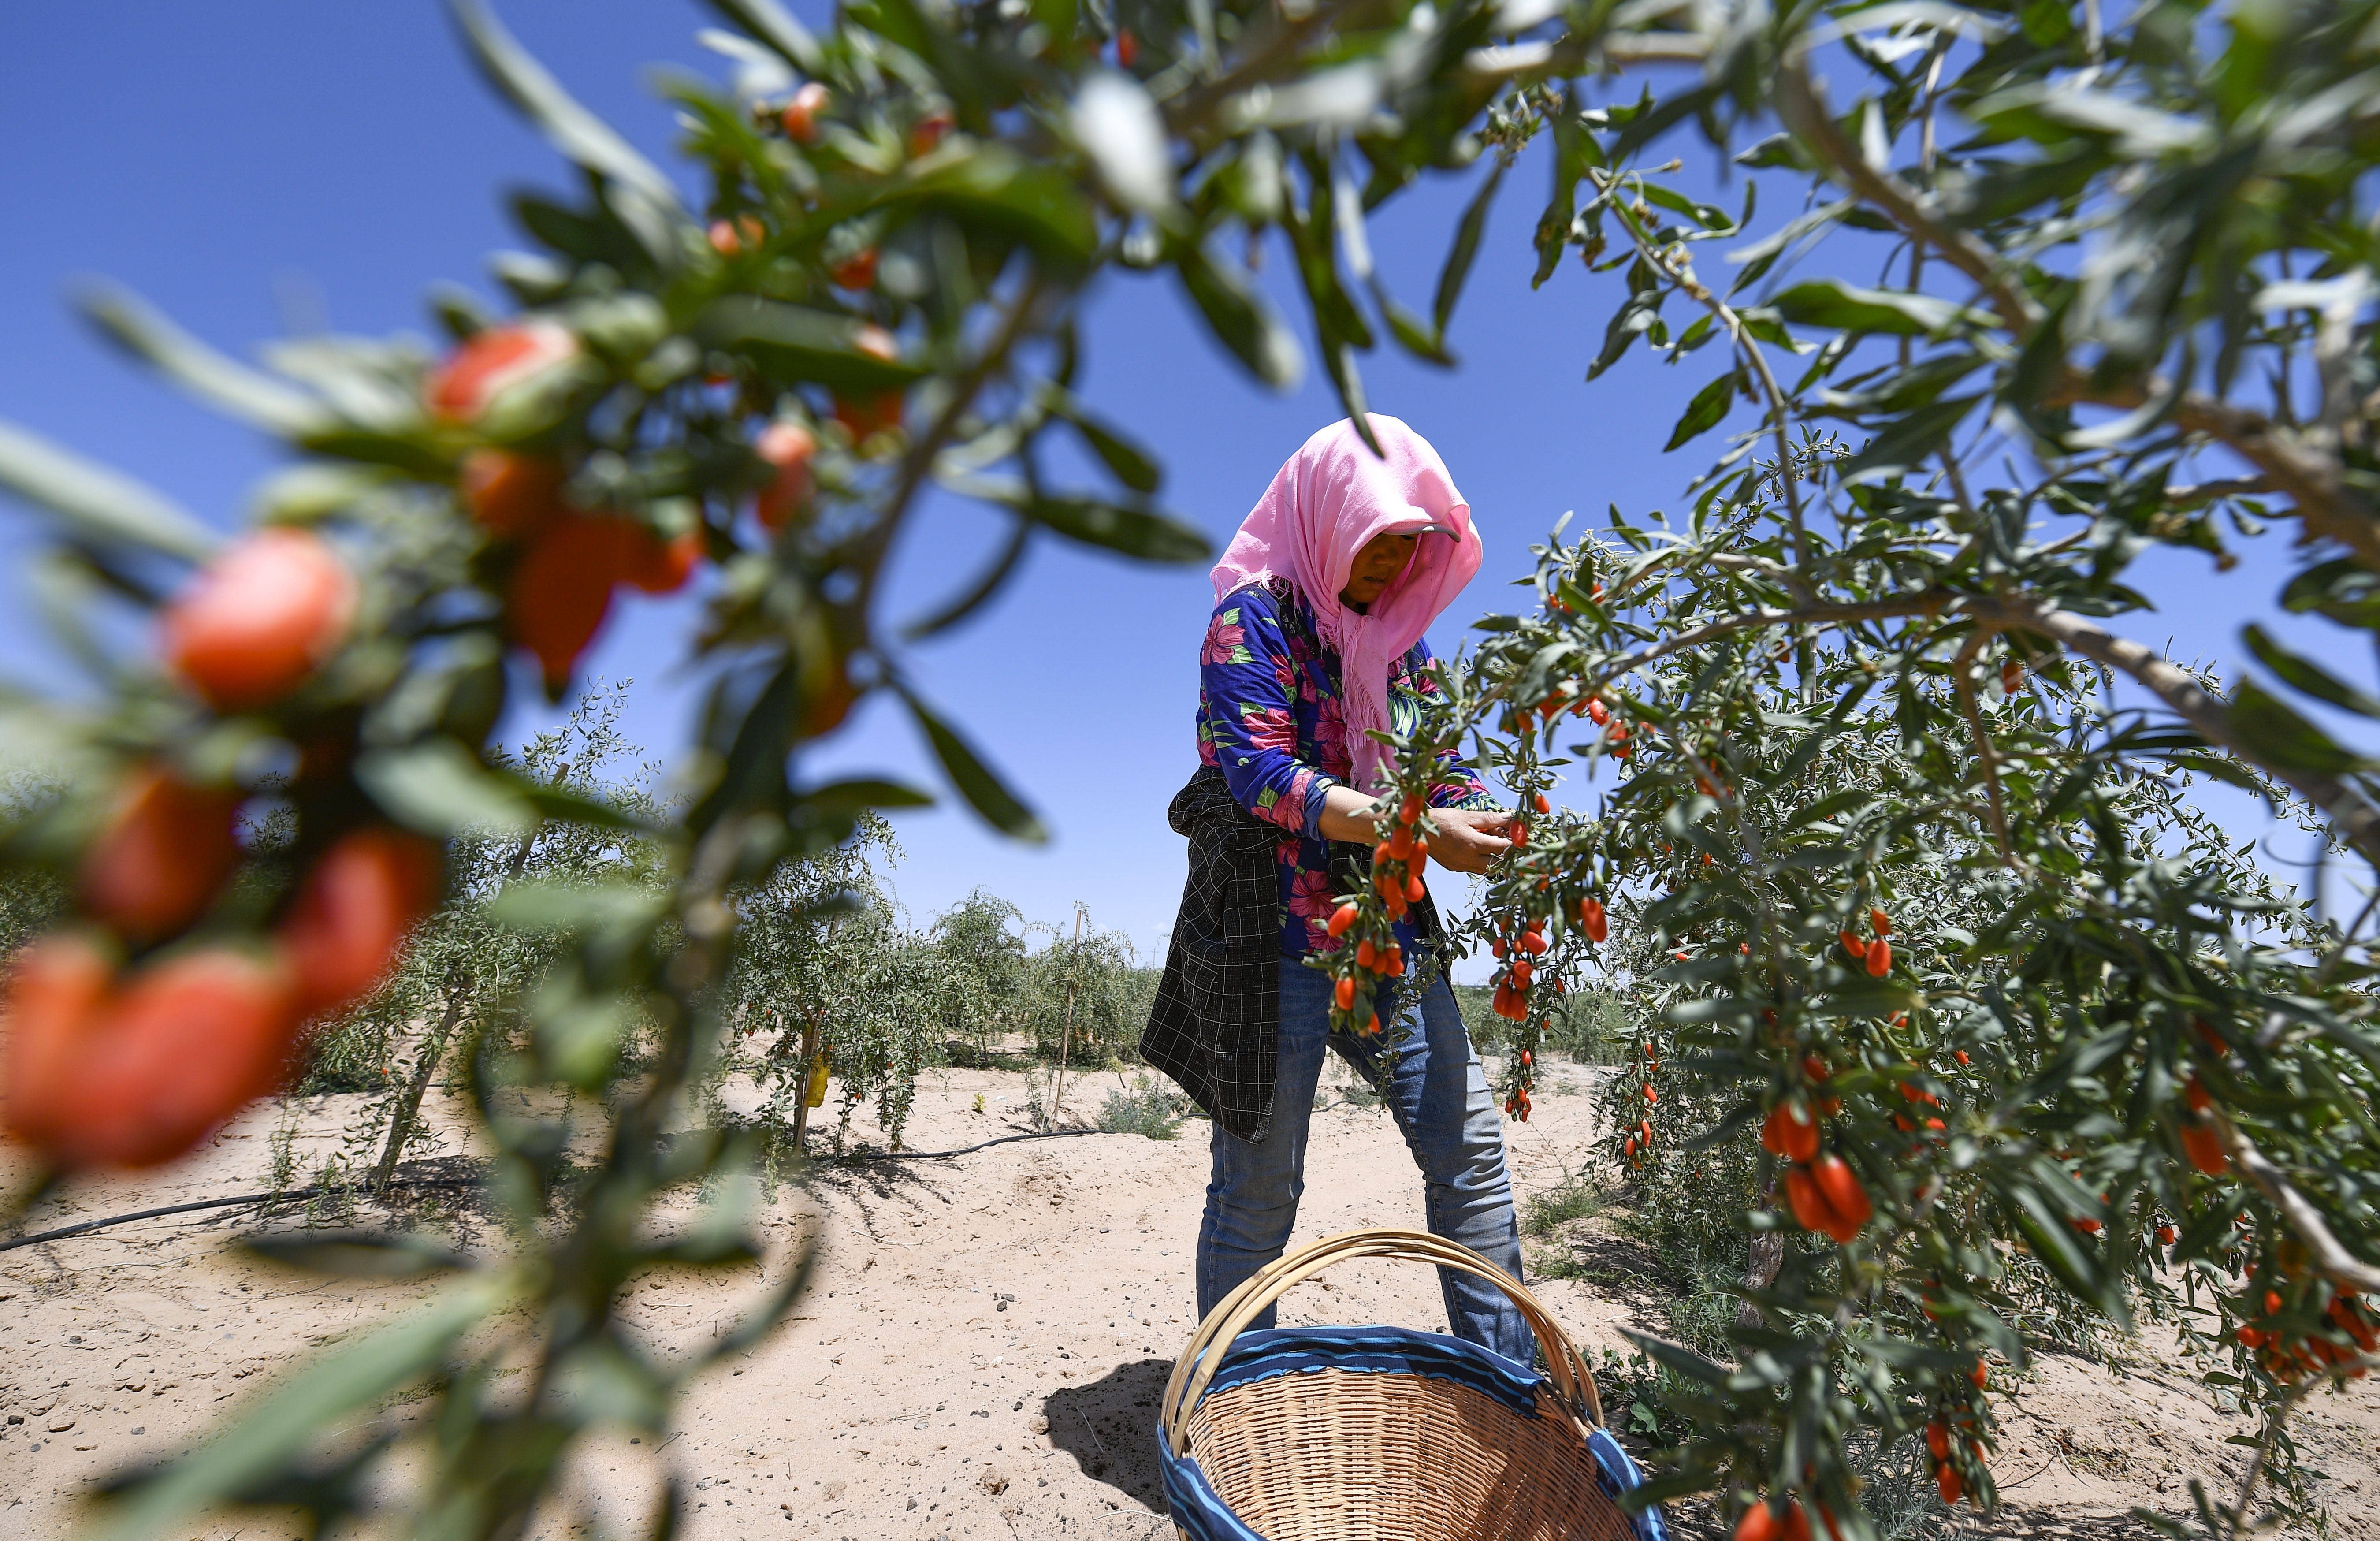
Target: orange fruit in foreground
(2204,1148)
(789,447)
(561,590)
(165,852)
(856,272)
(660,566)
(54,986)
(151,1072)
(493,361)
(871,414)
(353,912)
(1789,1133)
(511,495)
(1842,1189)
(729,238)
(259,619)
(802,114)
(929,131)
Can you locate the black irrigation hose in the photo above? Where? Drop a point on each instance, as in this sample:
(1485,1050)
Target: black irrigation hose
(291,1197)
(963,1150)
(296,1193)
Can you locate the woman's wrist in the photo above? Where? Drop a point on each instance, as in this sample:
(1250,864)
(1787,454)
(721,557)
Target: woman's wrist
(1347,814)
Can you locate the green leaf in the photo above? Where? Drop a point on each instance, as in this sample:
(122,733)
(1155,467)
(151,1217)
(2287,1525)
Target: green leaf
(2308,675)
(2062,1252)
(557,802)
(1456,271)
(1422,342)
(439,788)
(1127,460)
(1242,320)
(863,792)
(1685,1361)
(1142,534)
(1897,312)
(2278,736)
(579,134)
(128,321)
(988,183)
(795,344)
(2342,589)
(607,1381)
(1906,442)
(323,1397)
(775,26)
(355,1254)
(1779,152)
(984,791)
(1339,363)
(97,504)
(1703,413)
(978,593)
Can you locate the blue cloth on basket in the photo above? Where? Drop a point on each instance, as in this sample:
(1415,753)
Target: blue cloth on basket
(1385,1350)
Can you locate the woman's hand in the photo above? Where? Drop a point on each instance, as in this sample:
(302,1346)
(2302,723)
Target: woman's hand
(1468,839)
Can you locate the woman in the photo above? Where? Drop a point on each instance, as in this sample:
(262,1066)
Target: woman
(1316,642)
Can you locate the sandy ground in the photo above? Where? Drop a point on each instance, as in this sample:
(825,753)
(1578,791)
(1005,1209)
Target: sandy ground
(980,1354)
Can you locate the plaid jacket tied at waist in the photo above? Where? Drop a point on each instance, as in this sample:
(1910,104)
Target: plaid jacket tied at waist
(1216,1023)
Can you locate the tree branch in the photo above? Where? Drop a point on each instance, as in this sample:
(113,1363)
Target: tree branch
(2327,505)
(2328,1258)
(1801,103)
(1930,603)
(2347,807)
(1963,679)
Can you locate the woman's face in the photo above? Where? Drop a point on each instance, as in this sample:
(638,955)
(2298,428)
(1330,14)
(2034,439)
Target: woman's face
(1377,564)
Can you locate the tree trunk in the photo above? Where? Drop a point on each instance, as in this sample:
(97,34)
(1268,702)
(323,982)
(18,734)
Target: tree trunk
(1066,1032)
(408,1105)
(1767,1256)
(811,1035)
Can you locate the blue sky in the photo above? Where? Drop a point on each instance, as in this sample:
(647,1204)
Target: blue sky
(284,165)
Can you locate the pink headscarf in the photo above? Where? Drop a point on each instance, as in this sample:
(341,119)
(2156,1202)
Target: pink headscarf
(1332,497)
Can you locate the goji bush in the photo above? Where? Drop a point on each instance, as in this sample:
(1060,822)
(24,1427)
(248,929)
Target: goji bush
(2053,289)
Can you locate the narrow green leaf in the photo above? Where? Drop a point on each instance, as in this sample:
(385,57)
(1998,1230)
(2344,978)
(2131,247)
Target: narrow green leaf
(1242,319)
(1140,533)
(1338,362)
(993,185)
(1130,463)
(1456,271)
(438,788)
(1703,413)
(2308,675)
(279,1432)
(356,1254)
(983,791)
(792,344)
(775,26)
(1685,1361)
(98,504)
(865,791)
(140,330)
(2342,589)
(579,134)
(2279,737)
(1897,312)
(976,594)
(1908,440)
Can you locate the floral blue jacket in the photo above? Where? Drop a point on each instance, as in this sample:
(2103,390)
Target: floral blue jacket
(1271,719)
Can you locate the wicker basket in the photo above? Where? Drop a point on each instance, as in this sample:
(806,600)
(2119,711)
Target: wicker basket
(1383,1434)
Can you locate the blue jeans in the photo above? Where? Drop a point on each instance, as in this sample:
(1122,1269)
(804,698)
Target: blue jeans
(1441,1102)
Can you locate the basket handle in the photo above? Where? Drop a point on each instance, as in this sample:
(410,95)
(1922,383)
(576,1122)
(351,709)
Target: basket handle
(1195,1368)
